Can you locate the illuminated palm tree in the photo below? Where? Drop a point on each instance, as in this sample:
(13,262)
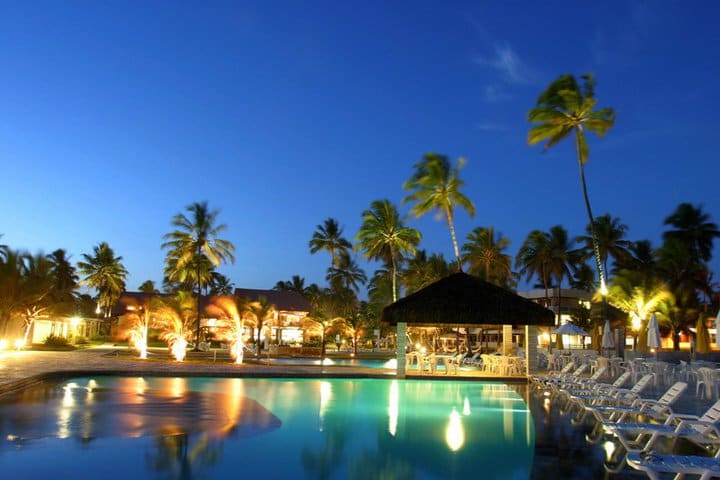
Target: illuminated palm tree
(232,312)
(383,236)
(436,187)
(325,316)
(261,311)
(104,272)
(565,109)
(174,317)
(484,253)
(194,245)
(631,294)
(328,237)
(136,321)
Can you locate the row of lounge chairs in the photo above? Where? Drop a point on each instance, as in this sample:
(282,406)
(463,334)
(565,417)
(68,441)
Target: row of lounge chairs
(645,431)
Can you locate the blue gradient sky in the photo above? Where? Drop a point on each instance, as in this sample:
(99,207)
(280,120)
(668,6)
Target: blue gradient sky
(116,115)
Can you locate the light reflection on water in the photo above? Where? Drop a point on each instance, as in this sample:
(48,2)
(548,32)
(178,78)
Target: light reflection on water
(300,428)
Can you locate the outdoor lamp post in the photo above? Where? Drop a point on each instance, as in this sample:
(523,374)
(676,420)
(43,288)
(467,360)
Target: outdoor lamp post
(74,322)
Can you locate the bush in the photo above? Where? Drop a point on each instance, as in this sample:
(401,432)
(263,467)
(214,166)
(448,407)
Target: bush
(100,338)
(56,341)
(80,340)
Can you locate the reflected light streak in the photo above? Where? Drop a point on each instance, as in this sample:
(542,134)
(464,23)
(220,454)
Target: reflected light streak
(455,434)
(325,398)
(392,363)
(328,361)
(393,403)
(609,448)
(466,407)
(178,387)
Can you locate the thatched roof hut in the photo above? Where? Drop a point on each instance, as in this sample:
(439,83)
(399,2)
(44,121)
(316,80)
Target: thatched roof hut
(461,299)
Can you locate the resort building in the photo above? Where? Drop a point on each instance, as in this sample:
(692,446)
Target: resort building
(565,303)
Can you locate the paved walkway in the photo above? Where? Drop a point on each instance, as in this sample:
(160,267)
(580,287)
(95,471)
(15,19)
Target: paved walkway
(19,369)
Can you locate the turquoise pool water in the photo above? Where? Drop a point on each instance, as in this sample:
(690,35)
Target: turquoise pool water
(128,427)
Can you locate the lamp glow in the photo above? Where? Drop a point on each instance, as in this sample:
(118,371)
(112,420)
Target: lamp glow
(19,343)
(454,434)
(3,344)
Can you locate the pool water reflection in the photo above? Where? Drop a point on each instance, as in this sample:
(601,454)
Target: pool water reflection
(115,427)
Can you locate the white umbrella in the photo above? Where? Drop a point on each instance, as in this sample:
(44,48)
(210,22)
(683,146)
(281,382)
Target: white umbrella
(569,329)
(607,341)
(653,333)
(717,330)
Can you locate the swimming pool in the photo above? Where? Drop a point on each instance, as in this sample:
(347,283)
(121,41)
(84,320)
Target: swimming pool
(132,427)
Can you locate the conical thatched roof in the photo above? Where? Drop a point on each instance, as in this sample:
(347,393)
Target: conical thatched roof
(461,299)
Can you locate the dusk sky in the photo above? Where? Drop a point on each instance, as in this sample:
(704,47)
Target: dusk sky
(116,115)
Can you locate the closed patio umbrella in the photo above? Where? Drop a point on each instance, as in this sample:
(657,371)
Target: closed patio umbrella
(653,333)
(607,340)
(702,341)
(717,330)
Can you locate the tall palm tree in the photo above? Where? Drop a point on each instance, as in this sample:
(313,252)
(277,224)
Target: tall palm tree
(483,251)
(641,257)
(565,108)
(435,185)
(296,284)
(220,284)
(104,272)
(609,233)
(383,236)
(328,237)
(346,274)
(694,227)
(194,244)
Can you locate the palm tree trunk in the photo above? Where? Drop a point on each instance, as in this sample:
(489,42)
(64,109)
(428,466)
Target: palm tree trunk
(197,308)
(596,249)
(258,346)
(449,216)
(394,275)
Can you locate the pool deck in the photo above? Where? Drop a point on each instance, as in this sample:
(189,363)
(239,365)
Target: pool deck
(19,369)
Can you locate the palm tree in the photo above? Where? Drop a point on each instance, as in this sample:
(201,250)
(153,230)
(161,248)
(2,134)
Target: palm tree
(296,284)
(328,237)
(325,316)
(136,322)
(64,281)
(261,311)
(148,286)
(232,312)
(694,227)
(533,259)
(565,108)
(641,257)
(220,284)
(383,236)
(609,233)
(422,270)
(631,294)
(104,272)
(192,246)
(346,274)
(174,316)
(563,260)
(484,253)
(436,186)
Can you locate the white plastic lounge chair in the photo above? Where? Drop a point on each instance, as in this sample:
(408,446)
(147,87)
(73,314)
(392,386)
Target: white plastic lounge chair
(474,360)
(562,378)
(653,464)
(659,409)
(608,396)
(642,437)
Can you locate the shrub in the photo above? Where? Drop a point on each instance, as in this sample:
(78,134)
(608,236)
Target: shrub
(100,338)
(80,340)
(56,341)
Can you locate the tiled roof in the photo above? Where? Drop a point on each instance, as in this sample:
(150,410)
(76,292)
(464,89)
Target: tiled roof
(283,300)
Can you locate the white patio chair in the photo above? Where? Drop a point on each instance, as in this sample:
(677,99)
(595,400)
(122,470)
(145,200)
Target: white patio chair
(653,464)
